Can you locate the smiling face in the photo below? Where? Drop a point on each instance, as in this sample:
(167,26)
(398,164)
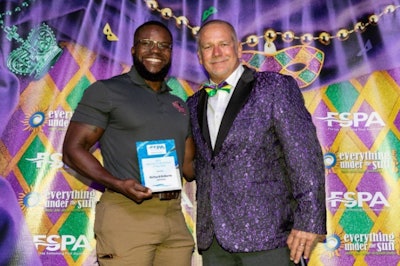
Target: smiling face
(152,52)
(218,50)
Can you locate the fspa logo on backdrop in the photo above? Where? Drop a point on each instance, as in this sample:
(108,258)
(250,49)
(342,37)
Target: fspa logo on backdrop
(356,121)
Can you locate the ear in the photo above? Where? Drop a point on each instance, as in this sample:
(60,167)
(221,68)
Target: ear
(239,50)
(199,57)
(133,50)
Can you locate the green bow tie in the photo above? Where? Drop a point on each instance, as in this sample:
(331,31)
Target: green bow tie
(212,89)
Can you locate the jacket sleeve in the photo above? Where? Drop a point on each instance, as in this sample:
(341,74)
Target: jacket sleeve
(303,156)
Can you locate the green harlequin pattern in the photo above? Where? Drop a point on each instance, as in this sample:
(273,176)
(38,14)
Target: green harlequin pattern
(342,96)
(31,173)
(75,95)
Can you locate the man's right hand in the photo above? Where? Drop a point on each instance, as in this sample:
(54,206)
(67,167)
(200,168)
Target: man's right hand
(132,189)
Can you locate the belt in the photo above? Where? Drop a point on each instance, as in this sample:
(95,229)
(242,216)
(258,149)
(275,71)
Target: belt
(168,195)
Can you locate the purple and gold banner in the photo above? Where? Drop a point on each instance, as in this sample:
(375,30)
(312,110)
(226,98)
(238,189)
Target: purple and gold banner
(344,56)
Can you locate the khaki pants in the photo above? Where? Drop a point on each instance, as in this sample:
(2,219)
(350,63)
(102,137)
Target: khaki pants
(151,233)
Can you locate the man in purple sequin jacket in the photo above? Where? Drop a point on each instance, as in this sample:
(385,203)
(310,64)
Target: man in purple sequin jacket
(259,165)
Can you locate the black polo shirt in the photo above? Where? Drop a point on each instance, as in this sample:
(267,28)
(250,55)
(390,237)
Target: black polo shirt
(130,111)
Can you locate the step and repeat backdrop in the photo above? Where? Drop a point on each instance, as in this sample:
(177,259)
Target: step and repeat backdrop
(344,55)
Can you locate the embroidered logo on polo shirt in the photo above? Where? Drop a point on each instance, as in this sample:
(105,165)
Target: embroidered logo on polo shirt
(178,106)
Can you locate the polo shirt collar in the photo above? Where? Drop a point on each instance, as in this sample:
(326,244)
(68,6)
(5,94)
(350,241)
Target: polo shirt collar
(137,79)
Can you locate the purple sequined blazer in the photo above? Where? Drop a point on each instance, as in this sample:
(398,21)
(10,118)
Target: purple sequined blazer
(266,172)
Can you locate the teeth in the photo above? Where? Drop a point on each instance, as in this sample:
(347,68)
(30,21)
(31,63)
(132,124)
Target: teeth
(153,60)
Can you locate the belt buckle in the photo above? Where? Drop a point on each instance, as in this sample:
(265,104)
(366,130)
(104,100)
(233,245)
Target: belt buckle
(168,195)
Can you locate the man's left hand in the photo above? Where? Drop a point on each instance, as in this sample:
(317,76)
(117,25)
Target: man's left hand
(301,244)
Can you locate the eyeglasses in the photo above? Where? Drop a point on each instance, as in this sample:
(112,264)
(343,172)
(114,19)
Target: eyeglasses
(149,44)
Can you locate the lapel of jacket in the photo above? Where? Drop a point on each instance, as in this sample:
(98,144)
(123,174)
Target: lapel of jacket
(239,97)
(202,117)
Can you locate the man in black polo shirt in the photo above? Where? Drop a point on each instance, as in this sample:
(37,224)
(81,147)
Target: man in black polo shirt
(133,225)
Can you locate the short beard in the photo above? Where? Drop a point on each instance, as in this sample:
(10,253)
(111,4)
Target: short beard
(147,75)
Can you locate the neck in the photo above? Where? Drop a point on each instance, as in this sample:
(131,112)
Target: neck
(155,85)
